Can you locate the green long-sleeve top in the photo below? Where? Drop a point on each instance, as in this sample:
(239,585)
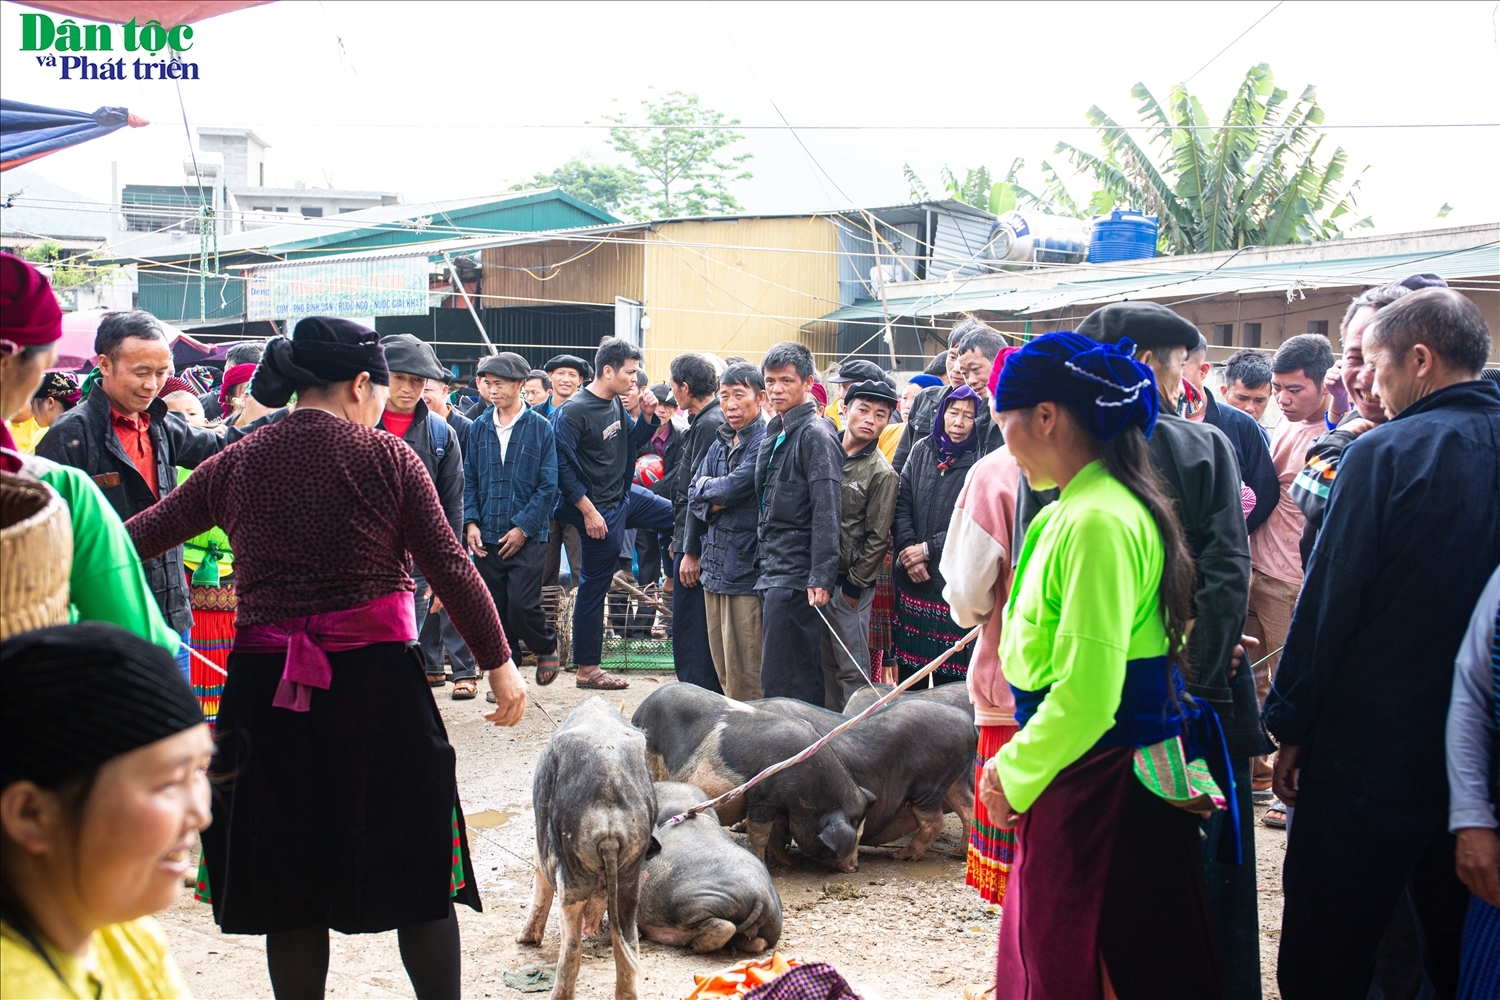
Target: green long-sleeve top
(1083,603)
(106,583)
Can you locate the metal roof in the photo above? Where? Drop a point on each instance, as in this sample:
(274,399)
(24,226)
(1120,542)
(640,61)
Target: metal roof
(396,224)
(1195,276)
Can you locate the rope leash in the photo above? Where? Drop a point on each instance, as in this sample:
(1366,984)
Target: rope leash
(840,640)
(820,744)
(210,663)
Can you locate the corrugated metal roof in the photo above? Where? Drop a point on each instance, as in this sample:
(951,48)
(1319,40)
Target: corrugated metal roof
(1032,292)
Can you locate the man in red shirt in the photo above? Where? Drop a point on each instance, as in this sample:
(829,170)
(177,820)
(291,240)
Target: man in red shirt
(131,444)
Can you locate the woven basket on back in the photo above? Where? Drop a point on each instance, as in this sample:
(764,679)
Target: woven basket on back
(36,556)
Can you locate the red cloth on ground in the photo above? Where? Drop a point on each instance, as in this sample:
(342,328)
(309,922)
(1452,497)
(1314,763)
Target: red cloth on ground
(1104,867)
(397,423)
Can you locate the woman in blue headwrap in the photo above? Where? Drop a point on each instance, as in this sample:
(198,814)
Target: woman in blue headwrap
(1103,782)
(930,484)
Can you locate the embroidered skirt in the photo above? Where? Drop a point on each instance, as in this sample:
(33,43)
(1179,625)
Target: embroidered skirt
(344,816)
(1106,868)
(924,629)
(212,636)
(992,850)
(882,617)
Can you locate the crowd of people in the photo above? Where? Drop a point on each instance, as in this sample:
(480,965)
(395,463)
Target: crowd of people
(1180,615)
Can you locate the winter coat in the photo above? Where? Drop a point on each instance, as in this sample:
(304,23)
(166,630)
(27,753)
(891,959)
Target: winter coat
(1410,536)
(727,479)
(797,477)
(519,492)
(85,439)
(868,502)
(924,506)
(446,470)
(703,432)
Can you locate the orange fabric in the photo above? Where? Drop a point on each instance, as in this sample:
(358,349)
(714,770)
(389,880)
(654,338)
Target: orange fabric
(135,438)
(737,980)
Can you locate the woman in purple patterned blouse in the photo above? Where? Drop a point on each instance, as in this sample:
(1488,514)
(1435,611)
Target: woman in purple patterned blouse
(337,802)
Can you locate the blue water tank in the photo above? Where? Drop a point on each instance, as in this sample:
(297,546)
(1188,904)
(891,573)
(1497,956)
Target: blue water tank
(1122,235)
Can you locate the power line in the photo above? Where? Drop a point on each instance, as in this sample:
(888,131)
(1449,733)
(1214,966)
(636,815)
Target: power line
(1231,45)
(1070,127)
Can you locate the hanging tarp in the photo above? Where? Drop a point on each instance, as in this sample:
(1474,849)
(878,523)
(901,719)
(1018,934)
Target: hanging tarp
(168,12)
(28,131)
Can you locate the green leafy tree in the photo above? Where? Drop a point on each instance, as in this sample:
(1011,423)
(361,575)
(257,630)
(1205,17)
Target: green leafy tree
(678,151)
(66,271)
(979,188)
(602,185)
(1255,179)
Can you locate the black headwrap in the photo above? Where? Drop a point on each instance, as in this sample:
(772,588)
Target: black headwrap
(73,697)
(321,351)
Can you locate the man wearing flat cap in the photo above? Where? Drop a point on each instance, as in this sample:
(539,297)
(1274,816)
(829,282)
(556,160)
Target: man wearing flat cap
(412,362)
(868,493)
(568,373)
(850,373)
(510,489)
(1198,465)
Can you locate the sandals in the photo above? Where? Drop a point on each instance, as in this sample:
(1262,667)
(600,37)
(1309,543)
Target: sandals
(603,682)
(547,668)
(464,689)
(437,680)
(1275,816)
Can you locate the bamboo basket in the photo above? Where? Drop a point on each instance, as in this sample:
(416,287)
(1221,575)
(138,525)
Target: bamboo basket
(36,556)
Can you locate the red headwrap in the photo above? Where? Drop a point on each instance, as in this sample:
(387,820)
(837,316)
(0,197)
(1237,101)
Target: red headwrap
(29,314)
(1005,352)
(238,375)
(820,394)
(175,384)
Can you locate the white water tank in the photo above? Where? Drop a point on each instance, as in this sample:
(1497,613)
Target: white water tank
(1037,238)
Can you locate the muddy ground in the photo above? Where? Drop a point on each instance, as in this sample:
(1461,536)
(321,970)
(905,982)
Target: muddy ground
(896,930)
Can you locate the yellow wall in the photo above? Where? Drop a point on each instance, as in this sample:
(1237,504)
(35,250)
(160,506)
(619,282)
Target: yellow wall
(730,288)
(596,272)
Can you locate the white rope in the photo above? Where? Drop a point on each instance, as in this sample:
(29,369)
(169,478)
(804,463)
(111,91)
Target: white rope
(214,666)
(839,639)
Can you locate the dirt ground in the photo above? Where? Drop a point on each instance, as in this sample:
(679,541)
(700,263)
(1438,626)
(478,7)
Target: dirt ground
(896,930)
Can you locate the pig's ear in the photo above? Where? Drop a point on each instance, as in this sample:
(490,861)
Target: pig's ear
(655,847)
(869,797)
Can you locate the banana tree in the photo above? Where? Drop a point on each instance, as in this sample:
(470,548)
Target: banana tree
(1255,179)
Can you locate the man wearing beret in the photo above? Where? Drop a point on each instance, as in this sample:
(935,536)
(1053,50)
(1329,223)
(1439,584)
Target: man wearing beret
(1198,466)
(568,374)
(411,363)
(868,506)
(510,489)
(854,371)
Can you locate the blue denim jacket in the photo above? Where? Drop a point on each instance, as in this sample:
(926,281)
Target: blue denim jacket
(519,492)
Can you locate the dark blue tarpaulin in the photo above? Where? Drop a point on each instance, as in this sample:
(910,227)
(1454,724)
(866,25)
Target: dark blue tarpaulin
(28,131)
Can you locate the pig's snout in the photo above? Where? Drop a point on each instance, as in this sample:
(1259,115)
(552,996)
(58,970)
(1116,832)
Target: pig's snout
(850,864)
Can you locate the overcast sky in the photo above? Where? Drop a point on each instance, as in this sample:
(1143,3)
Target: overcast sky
(439,100)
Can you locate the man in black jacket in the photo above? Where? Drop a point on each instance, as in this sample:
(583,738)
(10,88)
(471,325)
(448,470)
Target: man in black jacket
(798,476)
(694,384)
(1244,434)
(125,438)
(1410,536)
(1199,468)
(412,363)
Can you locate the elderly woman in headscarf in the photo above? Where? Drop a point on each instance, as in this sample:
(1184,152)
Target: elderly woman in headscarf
(341,807)
(930,485)
(1105,782)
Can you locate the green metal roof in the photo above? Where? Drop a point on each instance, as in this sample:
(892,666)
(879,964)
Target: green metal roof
(397,225)
(1031,292)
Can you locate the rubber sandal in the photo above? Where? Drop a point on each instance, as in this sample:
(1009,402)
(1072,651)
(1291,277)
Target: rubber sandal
(1275,816)
(464,689)
(603,682)
(547,669)
(437,680)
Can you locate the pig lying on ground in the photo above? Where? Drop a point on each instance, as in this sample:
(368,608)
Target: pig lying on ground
(916,755)
(595,813)
(702,738)
(703,889)
(956,695)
